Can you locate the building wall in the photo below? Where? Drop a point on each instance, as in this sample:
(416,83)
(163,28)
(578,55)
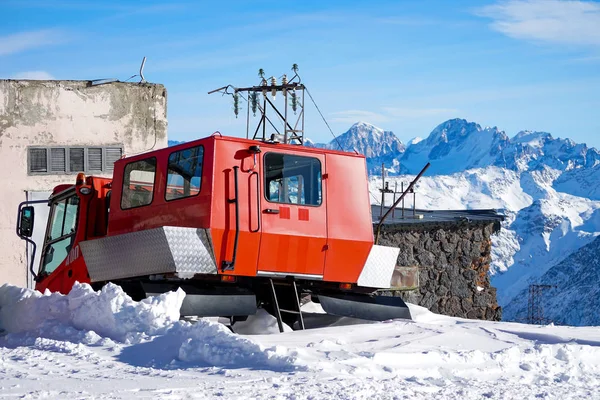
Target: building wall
(66,113)
(453,261)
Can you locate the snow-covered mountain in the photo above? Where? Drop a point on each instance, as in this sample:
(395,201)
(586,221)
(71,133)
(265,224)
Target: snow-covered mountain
(575,299)
(457,145)
(548,188)
(377,145)
(454,146)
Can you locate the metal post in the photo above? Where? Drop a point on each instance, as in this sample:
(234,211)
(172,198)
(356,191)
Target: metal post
(248,117)
(276,306)
(264,116)
(285,123)
(301,319)
(395,190)
(402,189)
(414,203)
(302,115)
(382,189)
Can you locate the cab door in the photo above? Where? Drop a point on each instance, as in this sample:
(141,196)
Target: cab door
(294,215)
(59,240)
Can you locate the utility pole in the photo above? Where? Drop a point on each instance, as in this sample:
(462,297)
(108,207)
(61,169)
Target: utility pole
(272,116)
(535,306)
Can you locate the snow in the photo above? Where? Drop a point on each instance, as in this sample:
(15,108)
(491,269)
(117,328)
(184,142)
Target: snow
(104,345)
(413,141)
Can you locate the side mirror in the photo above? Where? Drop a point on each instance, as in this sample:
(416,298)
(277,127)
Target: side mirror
(26,221)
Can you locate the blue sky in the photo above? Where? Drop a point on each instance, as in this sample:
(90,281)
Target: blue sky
(404,66)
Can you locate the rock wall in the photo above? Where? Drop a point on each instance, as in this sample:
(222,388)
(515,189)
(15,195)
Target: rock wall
(453,260)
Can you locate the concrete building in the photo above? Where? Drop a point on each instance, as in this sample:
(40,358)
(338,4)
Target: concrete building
(51,130)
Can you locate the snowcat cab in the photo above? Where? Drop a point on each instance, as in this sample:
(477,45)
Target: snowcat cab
(236,223)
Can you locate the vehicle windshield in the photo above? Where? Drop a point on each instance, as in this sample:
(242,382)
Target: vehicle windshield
(60,233)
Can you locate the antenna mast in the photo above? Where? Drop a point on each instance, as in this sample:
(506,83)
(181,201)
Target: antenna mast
(275,120)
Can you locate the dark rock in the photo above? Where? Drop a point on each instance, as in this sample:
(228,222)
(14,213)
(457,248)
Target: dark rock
(454,307)
(476,313)
(467,304)
(464,262)
(460,288)
(476,250)
(428,300)
(482,299)
(426,258)
(439,235)
(470,275)
(441,260)
(405,257)
(448,247)
(445,279)
(442,291)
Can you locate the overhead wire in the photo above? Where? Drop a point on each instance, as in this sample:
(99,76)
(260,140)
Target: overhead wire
(324,120)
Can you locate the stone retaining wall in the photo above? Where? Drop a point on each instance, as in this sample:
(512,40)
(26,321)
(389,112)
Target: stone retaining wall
(453,260)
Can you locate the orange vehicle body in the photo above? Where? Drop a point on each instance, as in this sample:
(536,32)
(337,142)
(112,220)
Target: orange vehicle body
(330,241)
(234,222)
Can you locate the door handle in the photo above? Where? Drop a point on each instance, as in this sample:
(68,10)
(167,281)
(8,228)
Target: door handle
(271,211)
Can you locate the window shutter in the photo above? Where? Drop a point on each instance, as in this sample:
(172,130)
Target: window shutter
(76,157)
(58,160)
(37,160)
(95,159)
(112,155)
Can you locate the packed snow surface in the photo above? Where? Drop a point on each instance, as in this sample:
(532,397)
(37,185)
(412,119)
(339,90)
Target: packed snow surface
(105,345)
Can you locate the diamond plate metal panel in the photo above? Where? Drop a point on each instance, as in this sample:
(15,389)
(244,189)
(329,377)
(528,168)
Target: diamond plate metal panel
(185,251)
(192,251)
(378,270)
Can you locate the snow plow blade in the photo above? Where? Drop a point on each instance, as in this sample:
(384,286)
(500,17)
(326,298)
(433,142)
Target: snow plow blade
(372,308)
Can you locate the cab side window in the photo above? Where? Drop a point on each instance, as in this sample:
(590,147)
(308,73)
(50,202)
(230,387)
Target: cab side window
(292,179)
(138,183)
(184,173)
(60,233)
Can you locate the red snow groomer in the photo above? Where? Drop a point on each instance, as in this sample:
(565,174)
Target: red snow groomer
(236,223)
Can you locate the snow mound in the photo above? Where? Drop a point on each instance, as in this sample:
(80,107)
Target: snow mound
(109,313)
(149,331)
(259,324)
(213,344)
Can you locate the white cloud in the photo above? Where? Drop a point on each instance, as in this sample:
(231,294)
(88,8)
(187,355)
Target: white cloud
(419,112)
(388,114)
(23,41)
(553,21)
(34,75)
(351,116)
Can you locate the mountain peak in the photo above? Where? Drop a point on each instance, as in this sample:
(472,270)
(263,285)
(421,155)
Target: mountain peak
(364,129)
(531,138)
(369,140)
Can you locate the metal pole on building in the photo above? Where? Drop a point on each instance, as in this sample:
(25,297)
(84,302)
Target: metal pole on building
(382,189)
(402,189)
(414,202)
(395,191)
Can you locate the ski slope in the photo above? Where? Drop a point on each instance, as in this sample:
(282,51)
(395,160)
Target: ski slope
(106,346)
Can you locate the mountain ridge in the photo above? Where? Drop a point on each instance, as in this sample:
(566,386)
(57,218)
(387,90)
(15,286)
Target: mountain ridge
(457,144)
